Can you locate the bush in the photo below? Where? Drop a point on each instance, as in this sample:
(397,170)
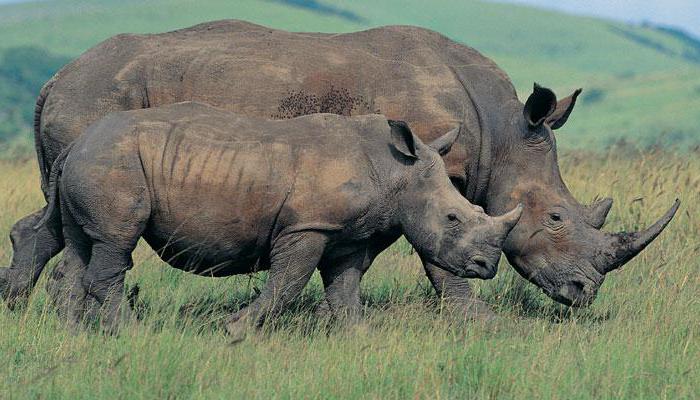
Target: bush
(593,95)
(23,71)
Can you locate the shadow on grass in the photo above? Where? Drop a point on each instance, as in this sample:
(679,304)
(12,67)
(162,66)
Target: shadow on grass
(209,312)
(517,298)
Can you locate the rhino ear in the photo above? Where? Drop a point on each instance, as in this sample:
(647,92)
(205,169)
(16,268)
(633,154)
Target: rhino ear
(539,106)
(402,139)
(564,108)
(444,143)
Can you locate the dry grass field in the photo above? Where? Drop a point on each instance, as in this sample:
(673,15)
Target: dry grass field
(638,340)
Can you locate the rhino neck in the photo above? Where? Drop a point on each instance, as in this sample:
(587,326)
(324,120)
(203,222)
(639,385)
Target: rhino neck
(494,103)
(478,162)
(477,141)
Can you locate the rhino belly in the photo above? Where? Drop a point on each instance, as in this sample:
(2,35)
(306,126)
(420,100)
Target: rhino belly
(203,254)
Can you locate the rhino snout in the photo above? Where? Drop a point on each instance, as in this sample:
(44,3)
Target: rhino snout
(576,294)
(482,266)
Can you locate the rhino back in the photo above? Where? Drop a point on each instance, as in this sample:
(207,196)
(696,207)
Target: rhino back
(86,90)
(405,73)
(227,185)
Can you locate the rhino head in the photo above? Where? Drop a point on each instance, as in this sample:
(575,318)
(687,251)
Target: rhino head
(557,244)
(445,228)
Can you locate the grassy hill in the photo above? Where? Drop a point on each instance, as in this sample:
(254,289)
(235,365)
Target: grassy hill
(638,340)
(642,84)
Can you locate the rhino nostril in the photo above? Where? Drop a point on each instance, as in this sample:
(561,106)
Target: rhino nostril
(583,293)
(481,262)
(580,287)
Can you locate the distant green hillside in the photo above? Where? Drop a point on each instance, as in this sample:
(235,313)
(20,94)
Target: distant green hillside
(641,84)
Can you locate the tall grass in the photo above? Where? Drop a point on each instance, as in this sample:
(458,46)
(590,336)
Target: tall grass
(638,340)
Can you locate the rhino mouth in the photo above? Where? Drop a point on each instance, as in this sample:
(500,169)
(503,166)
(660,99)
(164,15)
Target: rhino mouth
(479,268)
(576,293)
(579,292)
(571,301)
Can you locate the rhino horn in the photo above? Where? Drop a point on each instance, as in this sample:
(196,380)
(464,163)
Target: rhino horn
(596,213)
(507,221)
(624,246)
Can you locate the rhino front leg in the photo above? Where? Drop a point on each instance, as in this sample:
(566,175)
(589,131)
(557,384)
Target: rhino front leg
(31,250)
(293,260)
(341,281)
(457,294)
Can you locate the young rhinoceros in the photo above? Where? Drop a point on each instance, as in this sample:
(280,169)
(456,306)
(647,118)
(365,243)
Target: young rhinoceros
(219,194)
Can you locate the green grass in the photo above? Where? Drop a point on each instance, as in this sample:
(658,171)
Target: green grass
(650,96)
(639,339)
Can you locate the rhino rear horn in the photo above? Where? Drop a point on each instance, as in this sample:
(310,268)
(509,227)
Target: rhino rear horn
(597,212)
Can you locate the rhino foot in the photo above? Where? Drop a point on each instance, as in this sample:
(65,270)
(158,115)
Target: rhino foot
(238,326)
(470,309)
(323,309)
(14,292)
(4,284)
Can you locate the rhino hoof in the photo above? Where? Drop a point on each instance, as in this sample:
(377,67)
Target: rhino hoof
(4,284)
(472,310)
(323,309)
(238,326)
(237,331)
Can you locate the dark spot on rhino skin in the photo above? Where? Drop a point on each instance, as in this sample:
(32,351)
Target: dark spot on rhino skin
(352,186)
(286,216)
(334,101)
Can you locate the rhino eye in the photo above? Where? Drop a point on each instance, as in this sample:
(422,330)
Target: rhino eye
(452,217)
(555,217)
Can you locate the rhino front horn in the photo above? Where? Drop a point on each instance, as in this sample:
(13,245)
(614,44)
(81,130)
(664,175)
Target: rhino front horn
(508,220)
(627,245)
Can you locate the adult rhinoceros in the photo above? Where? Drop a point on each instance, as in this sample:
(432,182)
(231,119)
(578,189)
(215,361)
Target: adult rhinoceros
(506,153)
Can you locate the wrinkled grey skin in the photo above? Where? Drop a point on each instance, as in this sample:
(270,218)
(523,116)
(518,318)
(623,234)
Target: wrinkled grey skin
(505,154)
(288,200)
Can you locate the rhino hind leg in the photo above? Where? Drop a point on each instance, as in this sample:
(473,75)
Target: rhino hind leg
(61,284)
(104,279)
(31,251)
(293,259)
(101,234)
(67,291)
(456,295)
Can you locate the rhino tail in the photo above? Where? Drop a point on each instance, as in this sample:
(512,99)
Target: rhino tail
(52,188)
(38,145)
